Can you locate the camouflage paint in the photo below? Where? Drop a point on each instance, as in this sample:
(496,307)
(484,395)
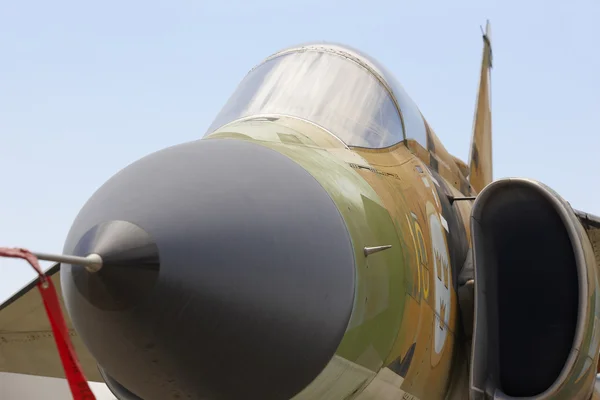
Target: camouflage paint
(480,159)
(403,337)
(402,329)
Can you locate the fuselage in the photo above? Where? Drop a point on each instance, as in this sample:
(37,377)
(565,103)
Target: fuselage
(403,333)
(339,115)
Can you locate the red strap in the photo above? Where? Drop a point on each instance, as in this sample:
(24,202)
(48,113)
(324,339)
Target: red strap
(77,382)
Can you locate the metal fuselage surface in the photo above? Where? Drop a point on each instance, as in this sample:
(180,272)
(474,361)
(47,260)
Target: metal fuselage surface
(402,337)
(342,117)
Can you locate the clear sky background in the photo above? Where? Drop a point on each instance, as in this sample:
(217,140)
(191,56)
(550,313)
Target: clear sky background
(89,87)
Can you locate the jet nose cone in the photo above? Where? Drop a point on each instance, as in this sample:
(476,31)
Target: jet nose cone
(130,265)
(229,274)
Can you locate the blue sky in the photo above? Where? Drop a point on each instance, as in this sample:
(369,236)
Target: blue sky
(89,87)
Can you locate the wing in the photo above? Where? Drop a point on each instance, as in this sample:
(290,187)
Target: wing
(26,341)
(591,224)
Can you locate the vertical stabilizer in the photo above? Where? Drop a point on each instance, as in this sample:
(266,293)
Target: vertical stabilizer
(480,157)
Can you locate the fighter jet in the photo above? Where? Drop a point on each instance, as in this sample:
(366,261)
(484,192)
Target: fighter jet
(319,242)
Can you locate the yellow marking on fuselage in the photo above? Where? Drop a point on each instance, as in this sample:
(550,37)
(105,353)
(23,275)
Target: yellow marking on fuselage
(413,194)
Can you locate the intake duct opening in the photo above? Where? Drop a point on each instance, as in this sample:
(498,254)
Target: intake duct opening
(527,288)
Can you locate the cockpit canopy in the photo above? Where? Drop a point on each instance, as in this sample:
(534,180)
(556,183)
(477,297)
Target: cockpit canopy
(333,86)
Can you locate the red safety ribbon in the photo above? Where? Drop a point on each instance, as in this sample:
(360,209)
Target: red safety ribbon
(73,372)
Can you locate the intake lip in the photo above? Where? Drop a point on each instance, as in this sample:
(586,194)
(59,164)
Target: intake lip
(255,283)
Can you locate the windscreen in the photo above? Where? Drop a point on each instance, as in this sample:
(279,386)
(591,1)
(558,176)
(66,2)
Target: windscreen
(326,88)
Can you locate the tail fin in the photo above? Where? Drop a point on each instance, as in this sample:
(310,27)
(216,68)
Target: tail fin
(480,158)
